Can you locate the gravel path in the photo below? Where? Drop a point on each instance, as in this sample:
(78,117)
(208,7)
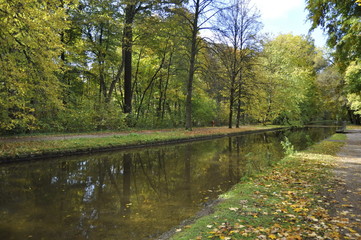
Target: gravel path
(196,131)
(345,196)
(73,136)
(55,138)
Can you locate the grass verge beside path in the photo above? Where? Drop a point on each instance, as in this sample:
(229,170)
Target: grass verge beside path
(44,146)
(282,203)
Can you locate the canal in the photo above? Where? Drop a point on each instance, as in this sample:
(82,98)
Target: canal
(134,194)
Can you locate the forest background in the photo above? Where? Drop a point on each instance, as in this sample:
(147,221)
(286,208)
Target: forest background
(85,65)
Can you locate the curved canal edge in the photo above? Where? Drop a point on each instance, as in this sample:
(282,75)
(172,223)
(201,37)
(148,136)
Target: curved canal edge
(287,200)
(116,147)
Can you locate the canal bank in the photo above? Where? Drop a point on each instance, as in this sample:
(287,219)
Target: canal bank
(24,148)
(135,193)
(312,194)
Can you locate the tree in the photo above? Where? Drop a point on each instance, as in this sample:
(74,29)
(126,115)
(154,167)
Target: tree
(196,18)
(101,32)
(236,38)
(131,9)
(29,58)
(341,21)
(159,49)
(331,83)
(286,76)
(353,86)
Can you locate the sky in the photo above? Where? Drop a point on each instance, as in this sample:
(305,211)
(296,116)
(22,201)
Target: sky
(287,16)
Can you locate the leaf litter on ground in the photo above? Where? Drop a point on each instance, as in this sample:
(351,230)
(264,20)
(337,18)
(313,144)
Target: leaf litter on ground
(283,203)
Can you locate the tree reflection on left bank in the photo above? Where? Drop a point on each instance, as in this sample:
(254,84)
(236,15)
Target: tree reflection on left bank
(135,194)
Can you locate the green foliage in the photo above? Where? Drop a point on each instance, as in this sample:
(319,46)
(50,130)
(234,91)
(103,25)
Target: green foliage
(86,116)
(30,45)
(204,110)
(330,83)
(353,86)
(309,140)
(288,147)
(353,78)
(286,90)
(340,20)
(62,69)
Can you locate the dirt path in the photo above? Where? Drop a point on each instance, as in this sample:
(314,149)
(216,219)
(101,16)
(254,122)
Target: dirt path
(73,136)
(196,131)
(345,195)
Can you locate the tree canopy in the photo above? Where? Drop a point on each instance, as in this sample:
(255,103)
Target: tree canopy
(341,21)
(81,65)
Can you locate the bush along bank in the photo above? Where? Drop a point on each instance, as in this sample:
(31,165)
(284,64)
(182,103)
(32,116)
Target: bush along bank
(285,202)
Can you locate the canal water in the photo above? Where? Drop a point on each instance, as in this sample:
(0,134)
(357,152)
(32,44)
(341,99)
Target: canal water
(133,194)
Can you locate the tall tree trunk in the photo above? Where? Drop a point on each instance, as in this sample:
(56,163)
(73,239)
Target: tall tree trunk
(127,56)
(192,67)
(231,101)
(239,102)
(160,89)
(101,62)
(233,83)
(102,87)
(190,89)
(238,112)
(166,84)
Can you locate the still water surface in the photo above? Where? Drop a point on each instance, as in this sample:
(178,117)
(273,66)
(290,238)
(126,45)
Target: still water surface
(136,194)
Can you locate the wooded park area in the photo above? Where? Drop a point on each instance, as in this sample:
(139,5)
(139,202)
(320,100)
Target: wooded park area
(84,65)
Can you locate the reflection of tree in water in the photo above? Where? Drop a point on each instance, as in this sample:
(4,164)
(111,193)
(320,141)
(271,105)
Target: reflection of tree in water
(128,195)
(187,173)
(230,161)
(254,153)
(151,180)
(125,200)
(123,192)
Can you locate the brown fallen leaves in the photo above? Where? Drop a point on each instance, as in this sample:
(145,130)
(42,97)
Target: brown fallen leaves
(286,205)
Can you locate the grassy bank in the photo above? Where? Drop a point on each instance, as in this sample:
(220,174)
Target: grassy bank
(284,202)
(51,145)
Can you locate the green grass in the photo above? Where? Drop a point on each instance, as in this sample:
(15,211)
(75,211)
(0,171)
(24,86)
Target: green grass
(340,137)
(45,146)
(283,202)
(40,147)
(353,127)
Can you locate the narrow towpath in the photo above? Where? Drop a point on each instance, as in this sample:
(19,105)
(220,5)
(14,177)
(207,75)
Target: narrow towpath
(20,148)
(345,195)
(55,137)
